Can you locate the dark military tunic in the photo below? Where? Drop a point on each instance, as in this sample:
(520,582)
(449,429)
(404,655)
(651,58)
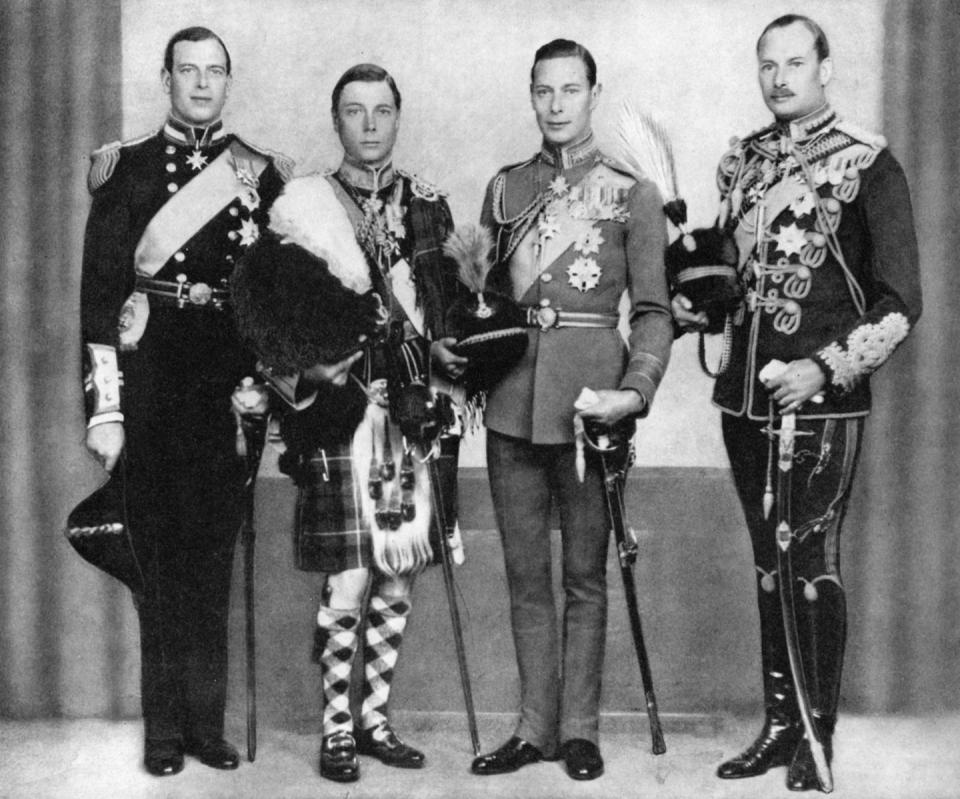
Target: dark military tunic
(180,364)
(828,258)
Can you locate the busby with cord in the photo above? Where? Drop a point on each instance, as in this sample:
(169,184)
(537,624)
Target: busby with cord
(707,275)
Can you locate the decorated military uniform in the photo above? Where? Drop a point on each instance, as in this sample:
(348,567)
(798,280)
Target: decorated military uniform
(572,234)
(821,214)
(365,495)
(171,212)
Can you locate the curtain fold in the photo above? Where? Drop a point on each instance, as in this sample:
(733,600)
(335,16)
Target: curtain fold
(64,628)
(903,569)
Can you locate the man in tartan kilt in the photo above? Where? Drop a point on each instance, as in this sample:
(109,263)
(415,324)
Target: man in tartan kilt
(364,514)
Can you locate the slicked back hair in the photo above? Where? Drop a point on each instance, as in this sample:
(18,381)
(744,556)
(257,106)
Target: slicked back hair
(566,48)
(194,34)
(368,73)
(820,43)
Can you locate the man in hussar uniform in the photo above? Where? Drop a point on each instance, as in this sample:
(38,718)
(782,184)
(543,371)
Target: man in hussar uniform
(380,230)
(821,215)
(171,212)
(572,233)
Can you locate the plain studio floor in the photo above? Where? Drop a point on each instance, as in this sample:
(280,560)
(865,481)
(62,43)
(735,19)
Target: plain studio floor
(876,757)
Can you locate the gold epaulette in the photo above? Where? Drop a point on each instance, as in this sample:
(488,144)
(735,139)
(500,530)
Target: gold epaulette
(875,140)
(420,187)
(284,164)
(103,161)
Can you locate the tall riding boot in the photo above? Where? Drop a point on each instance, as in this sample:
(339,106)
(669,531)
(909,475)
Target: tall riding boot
(782,731)
(822,626)
(336,644)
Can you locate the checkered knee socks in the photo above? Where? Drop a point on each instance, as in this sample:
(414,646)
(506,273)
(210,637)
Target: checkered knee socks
(386,621)
(338,629)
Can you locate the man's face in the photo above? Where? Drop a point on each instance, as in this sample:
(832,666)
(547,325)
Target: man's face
(367,120)
(562,99)
(792,78)
(199,84)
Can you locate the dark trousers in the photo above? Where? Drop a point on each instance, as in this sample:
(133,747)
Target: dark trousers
(184,481)
(825,459)
(560,663)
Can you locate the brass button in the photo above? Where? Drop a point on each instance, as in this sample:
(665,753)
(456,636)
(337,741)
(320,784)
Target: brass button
(171,167)
(544,302)
(546,277)
(170,149)
(179,257)
(172,187)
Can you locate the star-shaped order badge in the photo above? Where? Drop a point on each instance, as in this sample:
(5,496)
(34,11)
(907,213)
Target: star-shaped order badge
(584,274)
(790,239)
(803,204)
(249,232)
(589,241)
(559,185)
(196,160)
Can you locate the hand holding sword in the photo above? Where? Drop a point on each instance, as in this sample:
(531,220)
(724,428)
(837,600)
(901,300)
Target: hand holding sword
(614,443)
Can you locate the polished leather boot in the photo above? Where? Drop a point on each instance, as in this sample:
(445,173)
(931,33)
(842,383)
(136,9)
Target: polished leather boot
(338,757)
(775,746)
(802,774)
(383,743)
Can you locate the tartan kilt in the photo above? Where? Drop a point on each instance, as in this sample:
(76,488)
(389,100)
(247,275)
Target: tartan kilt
(330,533)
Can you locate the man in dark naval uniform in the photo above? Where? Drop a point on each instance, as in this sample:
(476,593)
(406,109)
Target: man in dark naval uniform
(573,233)
(365,508)
(171,212)
(821,215)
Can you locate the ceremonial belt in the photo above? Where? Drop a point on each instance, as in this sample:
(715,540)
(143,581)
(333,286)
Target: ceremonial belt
(183,294)
(546,318)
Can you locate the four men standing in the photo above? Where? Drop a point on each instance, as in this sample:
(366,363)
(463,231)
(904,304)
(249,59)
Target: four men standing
(821,215)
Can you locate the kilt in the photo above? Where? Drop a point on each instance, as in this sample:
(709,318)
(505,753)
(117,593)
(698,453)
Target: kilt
(331,532)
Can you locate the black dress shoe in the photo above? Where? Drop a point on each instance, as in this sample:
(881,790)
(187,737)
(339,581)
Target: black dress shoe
(775,746)
(213,752)
(582,758)
(338,757)
(514,754)
(382,742)
(163,758)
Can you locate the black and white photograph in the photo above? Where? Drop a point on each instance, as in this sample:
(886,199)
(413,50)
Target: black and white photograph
(466,398)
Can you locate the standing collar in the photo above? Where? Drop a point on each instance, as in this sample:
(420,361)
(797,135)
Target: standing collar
(570,155)
(808,126)
(181,133)
(365,177)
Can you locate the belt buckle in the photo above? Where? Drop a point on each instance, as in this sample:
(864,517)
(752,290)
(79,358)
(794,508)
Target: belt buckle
(199,293)
(547,317)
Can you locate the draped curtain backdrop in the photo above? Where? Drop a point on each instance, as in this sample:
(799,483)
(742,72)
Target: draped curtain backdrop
(64,630)
(902,568)
(67,635)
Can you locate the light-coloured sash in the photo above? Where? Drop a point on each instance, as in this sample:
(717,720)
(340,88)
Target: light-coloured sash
(194,205)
